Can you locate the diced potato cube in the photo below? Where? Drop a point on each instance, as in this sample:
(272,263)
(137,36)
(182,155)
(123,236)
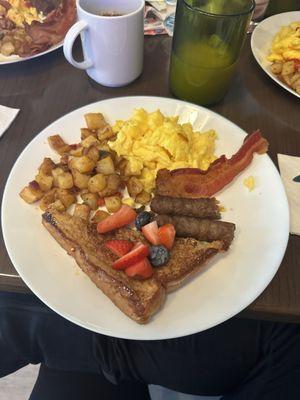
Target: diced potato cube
(134,186)
(113,203)
(104,147)
(113,182)
(97,183)
(105,133)
(143,197)
(65,180)
(45,181)
(48,199)
(95,120)
(64,159)
(288,68)
(80,180)
(55,174)
(107,192)
(66,197)
(85,132)
(89,141)
(83,164)
(276,68)
(99,216)
(82,211)
(105,166)
(90,199)
(76,152)
(58,205)
(31,193)
(93,153)
(57,143)
(47,166)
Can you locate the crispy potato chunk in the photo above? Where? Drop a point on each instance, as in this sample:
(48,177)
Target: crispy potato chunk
(89,141)
(99,216)
(57,143)
(45,181)
(66,197)
(93,153)
(76,152)
(95,120)
(82,211)
(47,166)
(65,180)
(90,199)
(113,203)
(55,173)
(31,193)
(97,183)
(85,132)
(81,181)
(58,205)
(105,166)
(276,68)
(288,68)
(113,182)
(83,164)
(134,187)
(105,133)
(48,199)
(143,197)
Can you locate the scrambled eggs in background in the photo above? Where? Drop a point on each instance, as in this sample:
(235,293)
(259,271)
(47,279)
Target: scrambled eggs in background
(151,141)
(286,43)
(20,13)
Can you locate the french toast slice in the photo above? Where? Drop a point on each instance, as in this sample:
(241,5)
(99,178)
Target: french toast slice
(137,299)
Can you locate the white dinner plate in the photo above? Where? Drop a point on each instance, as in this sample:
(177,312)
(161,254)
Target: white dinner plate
(225,287)
(262,37)
(4,60)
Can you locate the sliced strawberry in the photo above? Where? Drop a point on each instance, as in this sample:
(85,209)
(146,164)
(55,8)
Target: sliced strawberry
(124,216)
(166,234)
(101,201)
(119,247)
(137,254)
(150,231)
(140,270)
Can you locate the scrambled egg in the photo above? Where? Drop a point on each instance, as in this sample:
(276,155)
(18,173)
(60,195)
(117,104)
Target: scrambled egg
(286,44)
(20,13)
(249,183)
(151,141)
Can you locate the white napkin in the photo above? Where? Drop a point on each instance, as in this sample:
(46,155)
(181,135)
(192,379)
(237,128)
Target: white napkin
(290,173)
(7,115)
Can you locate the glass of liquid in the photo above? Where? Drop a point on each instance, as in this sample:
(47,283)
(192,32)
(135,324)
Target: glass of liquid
(208,37)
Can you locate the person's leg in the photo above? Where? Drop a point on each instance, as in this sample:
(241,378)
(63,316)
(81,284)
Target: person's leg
(32,333)
(246,358)
(64,385)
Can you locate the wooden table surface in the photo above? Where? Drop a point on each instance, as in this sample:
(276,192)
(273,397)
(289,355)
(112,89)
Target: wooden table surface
(48,87)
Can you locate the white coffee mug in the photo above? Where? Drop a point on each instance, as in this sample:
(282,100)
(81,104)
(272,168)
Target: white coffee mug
(112,45)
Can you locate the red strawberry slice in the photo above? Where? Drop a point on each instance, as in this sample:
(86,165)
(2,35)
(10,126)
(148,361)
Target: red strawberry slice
(140,270)
(137,254)
(124,216)
(166,234)
(150,231)
(119,247)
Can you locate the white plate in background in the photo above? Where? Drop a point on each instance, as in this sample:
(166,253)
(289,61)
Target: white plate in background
(261,41)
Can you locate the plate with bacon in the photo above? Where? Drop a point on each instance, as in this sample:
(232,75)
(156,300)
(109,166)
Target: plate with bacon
(31,28)
(143,225)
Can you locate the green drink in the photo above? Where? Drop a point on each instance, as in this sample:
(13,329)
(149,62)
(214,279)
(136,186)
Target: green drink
(206,47)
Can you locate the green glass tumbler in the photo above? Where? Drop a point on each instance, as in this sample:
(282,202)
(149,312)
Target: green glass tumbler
(208,37)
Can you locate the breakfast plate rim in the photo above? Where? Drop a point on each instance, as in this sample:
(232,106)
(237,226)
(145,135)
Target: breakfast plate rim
(140,335)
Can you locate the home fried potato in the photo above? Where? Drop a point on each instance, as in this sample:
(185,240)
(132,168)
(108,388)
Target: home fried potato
(57,143)
(82,211)
(134,187)
(99,216)
(85,132)
(113,203)
(31,193)
(92,152)
(48,199)
(81,181)
(105,166)
(45,181)
(66,197)
(143,197)
(97,183)
(90,199)
(95,120)
(65,180)
(83,164)
(47,166)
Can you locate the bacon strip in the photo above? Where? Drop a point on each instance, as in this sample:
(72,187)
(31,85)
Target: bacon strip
(42,35)
(195,183)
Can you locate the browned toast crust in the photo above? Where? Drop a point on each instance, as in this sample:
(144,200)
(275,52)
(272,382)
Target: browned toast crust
(137,299)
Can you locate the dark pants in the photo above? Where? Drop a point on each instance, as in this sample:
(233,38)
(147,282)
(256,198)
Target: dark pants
(240,359)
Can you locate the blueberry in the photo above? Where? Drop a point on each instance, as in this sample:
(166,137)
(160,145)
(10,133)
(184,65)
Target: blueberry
(159,255)
(142,219)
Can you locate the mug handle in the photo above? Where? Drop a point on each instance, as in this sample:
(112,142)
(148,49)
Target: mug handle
(70,38)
